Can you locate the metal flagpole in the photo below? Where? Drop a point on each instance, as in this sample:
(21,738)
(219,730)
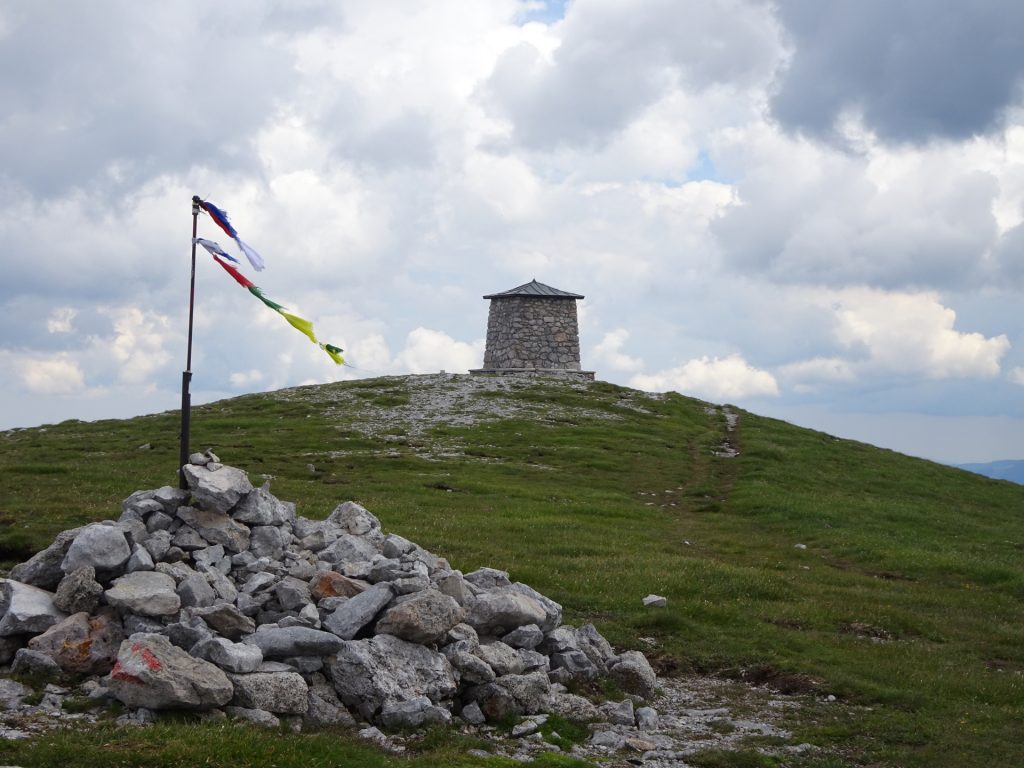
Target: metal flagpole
(186,375)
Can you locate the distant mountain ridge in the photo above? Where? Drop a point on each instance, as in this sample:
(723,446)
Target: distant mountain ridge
(1007,469)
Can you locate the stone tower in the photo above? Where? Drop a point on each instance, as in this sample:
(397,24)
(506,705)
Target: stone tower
(533,329)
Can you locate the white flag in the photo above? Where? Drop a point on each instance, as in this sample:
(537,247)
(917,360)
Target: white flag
(254,258)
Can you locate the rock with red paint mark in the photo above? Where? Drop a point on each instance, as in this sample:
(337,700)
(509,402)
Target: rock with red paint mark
(82,644)
(152,673)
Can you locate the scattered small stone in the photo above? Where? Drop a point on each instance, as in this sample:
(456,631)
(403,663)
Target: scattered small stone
(639,744)
(472,714)
(655,601)
(647,718)
(258,717)
(524,728)
(621,713)
(611,740)
(31,663)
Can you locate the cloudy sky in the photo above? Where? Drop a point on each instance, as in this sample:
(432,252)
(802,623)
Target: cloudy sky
(812,210)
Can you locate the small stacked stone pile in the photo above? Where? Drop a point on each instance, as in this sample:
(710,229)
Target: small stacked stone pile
(220,598)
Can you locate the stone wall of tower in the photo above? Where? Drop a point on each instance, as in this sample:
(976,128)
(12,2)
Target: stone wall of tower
(532,332)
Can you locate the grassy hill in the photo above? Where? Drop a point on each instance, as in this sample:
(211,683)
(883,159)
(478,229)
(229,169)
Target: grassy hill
(822,566)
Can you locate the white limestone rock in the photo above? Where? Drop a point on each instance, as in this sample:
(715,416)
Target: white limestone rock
(354,519)
(215,527)
(103,547)
(146,593)
(356,612)
(25,609)
(239,658)
(217,490)
(78,591)
(423,618)
(277,692)
(413,713)
(43,569)
(286,642)
(369,673)
(498,612)
(634,673)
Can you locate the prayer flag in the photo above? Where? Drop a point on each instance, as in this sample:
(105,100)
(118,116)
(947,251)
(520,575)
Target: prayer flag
(254,258)
(241,279)
(215,249)
(220,218)
(298,323)
(334,352)
(302,326)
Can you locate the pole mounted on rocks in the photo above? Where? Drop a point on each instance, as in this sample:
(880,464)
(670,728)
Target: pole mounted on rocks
(186,375)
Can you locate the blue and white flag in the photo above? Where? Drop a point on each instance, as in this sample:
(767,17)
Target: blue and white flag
(215,249)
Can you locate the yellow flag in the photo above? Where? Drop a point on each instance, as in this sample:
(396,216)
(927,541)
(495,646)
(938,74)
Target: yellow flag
(299,324)
(334,353)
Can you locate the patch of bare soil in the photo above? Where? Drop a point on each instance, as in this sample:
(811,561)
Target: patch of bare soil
(780,680)
(867,631)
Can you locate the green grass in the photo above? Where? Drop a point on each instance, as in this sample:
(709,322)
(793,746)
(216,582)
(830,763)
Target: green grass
(907,603)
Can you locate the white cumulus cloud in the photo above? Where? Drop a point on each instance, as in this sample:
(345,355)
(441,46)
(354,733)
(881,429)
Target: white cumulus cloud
(370,354)
(912,333)
(242,379)
(61,320)
(138,342)
(430,351)
(715,378)
(609,352)
(57,375)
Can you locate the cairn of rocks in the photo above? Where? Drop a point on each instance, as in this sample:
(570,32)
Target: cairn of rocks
(221,599)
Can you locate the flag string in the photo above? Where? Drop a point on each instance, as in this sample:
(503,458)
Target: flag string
(300,324)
